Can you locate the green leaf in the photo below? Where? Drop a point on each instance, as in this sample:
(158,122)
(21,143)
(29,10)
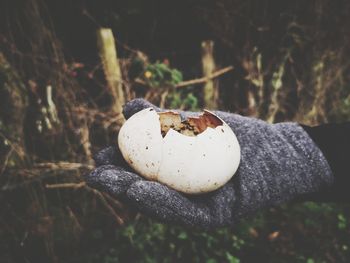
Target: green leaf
(231,258)
(182,235)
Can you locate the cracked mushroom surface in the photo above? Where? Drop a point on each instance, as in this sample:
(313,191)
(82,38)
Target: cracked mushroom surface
(196,155)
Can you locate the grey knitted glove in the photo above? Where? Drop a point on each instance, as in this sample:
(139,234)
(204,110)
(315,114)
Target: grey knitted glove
(279,163)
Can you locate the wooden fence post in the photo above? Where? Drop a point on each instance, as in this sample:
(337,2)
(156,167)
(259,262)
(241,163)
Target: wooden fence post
(210,89)
(111,68)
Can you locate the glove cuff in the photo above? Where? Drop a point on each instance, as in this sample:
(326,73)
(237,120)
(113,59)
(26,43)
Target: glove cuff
(313,165)
(279,163)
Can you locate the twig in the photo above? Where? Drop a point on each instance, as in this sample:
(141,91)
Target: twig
(114,201)
(14,147)
(163,98)
(105,118)
(196,81)
(84,137)
(204,79)
(102,197)
(119,220)
(66,185)
(75,220)
(64,166)
(6,159)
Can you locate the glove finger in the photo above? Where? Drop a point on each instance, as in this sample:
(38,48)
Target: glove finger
(111,179)
(110,155)
(157,200)
(137,105)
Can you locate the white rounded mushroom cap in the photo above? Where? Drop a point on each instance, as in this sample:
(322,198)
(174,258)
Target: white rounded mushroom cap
(196,156)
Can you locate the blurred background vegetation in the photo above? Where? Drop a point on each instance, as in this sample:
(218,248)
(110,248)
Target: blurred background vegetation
(61,91)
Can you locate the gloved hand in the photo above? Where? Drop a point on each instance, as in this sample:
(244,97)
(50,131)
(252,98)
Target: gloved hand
(279,162)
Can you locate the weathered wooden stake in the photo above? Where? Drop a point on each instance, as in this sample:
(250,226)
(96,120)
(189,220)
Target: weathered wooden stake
(108,54)
(211,86)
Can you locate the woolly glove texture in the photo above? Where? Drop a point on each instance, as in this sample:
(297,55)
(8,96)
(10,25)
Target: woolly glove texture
(279,163)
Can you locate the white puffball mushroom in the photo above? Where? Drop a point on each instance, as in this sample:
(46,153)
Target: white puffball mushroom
(197,155)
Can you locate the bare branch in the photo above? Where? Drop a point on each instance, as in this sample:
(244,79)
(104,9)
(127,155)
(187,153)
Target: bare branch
(66,185)
(196,81)
(64,166)
(103,200)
